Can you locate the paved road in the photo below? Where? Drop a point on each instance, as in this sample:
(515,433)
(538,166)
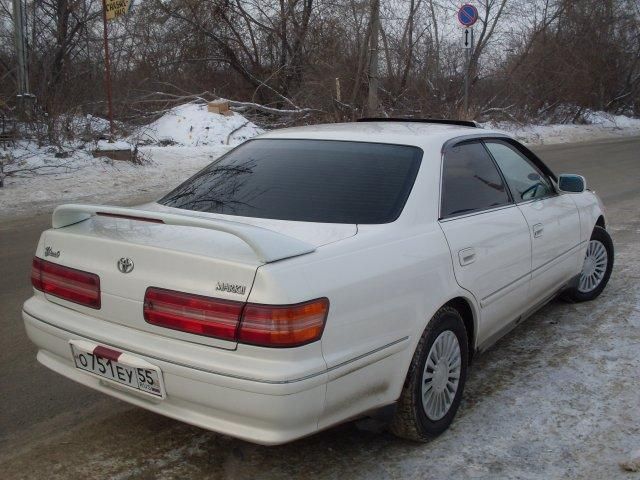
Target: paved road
(42,412)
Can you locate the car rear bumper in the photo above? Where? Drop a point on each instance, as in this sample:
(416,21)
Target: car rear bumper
(269,405)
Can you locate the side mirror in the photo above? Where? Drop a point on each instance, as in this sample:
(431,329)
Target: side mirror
(571,183)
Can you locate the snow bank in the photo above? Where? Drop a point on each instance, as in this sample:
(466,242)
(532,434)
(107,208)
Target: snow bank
(599,125)
(87,125)
(192,125)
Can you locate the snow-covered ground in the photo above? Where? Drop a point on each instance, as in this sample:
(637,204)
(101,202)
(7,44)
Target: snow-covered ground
(171,149)
(193,138)
(600,125)
(83,178)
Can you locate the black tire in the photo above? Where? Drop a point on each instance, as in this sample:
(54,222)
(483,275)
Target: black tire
(410,420)
(573,294)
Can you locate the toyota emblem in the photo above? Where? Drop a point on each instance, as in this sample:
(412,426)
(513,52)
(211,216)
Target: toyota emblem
(125,265)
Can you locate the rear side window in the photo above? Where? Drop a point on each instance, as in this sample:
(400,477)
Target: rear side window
(305,180)
(470,181)
(525,180)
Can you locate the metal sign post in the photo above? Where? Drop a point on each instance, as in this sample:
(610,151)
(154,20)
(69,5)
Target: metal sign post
(111,9)
(467,16)
(467,44)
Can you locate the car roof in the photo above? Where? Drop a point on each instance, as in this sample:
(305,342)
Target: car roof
(394,132)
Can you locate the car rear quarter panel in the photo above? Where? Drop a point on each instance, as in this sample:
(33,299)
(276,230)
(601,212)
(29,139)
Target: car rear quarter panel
(384,285)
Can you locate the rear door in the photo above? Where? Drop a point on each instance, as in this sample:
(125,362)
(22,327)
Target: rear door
(487,235)
(553,219)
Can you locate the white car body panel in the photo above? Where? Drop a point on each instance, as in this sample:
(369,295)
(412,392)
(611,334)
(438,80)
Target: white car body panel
(497,244)
(555,240)
(384,283)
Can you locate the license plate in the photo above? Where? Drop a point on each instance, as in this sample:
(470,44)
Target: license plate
(118,367)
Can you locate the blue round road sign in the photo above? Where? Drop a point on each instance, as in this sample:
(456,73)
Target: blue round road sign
(467,15)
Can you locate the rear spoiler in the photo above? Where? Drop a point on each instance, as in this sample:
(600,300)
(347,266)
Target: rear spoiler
(269,246)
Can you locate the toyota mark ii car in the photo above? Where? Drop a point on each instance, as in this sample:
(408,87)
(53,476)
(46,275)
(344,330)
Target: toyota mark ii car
(313,275)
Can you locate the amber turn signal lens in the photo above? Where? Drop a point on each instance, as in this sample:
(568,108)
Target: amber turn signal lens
(283,326)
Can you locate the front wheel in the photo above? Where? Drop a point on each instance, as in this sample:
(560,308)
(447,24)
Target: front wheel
(596,270)
(435,381)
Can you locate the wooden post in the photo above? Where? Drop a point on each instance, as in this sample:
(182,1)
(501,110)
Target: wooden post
(107,70)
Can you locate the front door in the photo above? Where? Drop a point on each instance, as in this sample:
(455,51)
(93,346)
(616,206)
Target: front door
(553,220)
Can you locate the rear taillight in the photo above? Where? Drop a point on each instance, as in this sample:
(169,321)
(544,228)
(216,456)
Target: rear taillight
(263,325)
(283,326)
(67,283)
(192,313)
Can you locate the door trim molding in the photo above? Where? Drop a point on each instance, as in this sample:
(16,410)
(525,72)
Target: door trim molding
(510,287)
(504,290)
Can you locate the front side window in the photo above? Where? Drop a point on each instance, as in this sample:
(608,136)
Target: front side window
(470,181)
(525,181)
(305,180)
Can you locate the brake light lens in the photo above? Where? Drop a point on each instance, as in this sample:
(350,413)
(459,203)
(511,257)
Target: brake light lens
(67,283)
(263,325)
(189,313)
(283,326)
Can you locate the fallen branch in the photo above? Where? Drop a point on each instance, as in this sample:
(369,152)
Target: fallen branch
(170,100)
(235,130)
(243,106)
(504,111)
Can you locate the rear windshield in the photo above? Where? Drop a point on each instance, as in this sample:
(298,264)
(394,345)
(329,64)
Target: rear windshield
(305,180)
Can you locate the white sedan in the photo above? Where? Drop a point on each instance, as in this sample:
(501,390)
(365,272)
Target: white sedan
(315,274)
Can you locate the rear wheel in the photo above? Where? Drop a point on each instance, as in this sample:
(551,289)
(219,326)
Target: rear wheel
(596,269)
(433,388)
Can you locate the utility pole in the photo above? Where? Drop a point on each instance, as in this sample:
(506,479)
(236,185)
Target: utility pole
(24,96)
(374,80)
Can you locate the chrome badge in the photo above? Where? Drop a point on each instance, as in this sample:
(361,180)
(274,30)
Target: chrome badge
(231,288)
(125,265)
(50,252)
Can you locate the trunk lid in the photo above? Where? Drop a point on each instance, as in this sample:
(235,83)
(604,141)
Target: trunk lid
(177,257)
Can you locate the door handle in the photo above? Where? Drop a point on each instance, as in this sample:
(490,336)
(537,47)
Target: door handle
(467,256)
(538,228)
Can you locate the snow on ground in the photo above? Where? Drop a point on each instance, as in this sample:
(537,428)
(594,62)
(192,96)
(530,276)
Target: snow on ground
(117,145)
(600,125)
(193,125)
(82,178)
(194,138)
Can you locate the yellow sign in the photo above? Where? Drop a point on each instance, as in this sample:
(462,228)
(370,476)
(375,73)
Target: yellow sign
(117,8)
